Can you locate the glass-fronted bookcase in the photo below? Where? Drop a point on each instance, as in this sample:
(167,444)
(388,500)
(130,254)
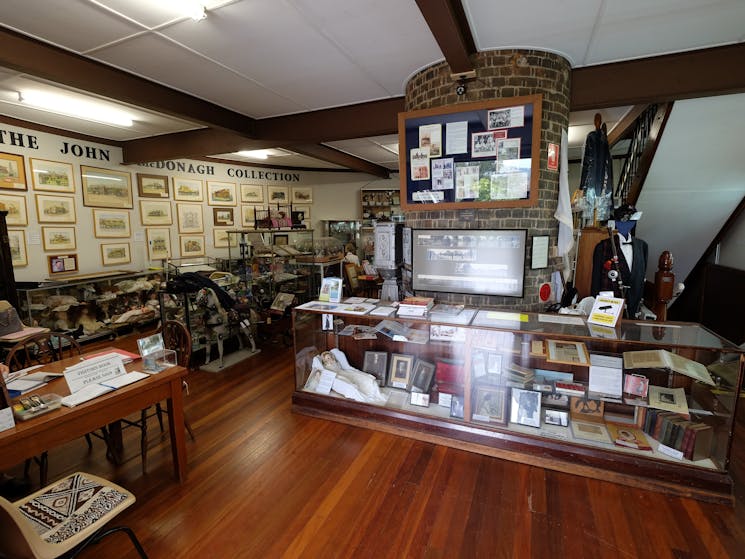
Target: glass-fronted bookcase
(645,404)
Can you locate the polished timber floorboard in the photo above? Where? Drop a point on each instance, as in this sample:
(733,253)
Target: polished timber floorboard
(264,482)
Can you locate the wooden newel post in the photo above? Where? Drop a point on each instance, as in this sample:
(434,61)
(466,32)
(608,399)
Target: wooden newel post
(664,283)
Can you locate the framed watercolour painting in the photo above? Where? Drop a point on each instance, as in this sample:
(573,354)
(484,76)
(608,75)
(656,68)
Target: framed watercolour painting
(248,216)
(221,193)
(190,218)
(278,194)
(158,242)
(302,195)
(155,212)
(104,188)
(53,176)
(16,208)
(152,186)
(58,238)
(115,253)
(110,224)
(17,243)
(221,239)
(222,216)
(12,172)
(55,209)
(188,190)
(252,193)
(191,245)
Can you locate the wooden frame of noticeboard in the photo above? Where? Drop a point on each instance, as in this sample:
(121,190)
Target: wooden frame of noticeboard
(487,155)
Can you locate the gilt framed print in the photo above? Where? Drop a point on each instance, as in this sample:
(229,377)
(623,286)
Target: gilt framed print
(12,172)
(252,193)
(302,195)
(115,253)
(278,194)
(155,212)
(108,224)
(17,243)
(190,218)
(248,216)
(191,245)
(221,193)
(158,242)
(376,363)
(62,263)
(52,176)
(490,404)
(222,216)
(55,209)
(188,190)
(16,208)
(399,373)
(104,188)
(152,186)
(222,239)
(58,238)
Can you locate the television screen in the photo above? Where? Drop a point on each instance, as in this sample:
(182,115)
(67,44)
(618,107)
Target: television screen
(477,261)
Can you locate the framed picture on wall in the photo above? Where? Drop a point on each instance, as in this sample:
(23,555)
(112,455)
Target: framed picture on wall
(252,193)
(190,218)
(155,212)
(152,186)
(248,216)
(191,245)
(55,209)
(17,242)
(115,253)
(58,238)
(278,194)
(302,195)
(104,188)
(53,176)
(12,172)
(223,216)
(188,190)
(158,242)
(221,193)
(111,224)
(304,209)
(62,263)
(221,239)
(16,208)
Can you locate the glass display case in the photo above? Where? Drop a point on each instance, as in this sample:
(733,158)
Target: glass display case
(380,205)
(346,231)
(645,404)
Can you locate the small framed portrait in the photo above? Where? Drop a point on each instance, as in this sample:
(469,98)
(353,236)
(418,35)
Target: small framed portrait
(115,253)
(421,376)
(302,195)
(252,193)
(190,218)
(158,242)
(490,404)
(53,176)
(278,194)
(62,263)
(223,239)
(223,217)
(55,209)
(111,224)
(188,190)
(17,243)
(566,352)
(525,408)
(399,373)
(457,406)
(104,188)
(155,212)
(191,245)
(221,193)
(58,238)
(16,208)
(12,172)
(376,363)
(302,212)
(152,186)
(560,418)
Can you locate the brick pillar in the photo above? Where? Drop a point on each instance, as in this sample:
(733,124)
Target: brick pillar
(500,75)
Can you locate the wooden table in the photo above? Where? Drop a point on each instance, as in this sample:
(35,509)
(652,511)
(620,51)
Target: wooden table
(32,437)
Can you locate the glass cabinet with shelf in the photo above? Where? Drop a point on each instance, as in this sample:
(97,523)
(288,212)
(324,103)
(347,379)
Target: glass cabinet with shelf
(648,404)
(380,205)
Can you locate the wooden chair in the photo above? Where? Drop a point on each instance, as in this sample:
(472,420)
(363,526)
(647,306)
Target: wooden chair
(353,284)
(64,518)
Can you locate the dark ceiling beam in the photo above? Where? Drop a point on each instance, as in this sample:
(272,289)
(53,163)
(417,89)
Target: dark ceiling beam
(449,26)
(30,56)
(340,158)
(685,75)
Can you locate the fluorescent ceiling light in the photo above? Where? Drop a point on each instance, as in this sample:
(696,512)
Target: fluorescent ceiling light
(77,108)
(254,154)
(190,8)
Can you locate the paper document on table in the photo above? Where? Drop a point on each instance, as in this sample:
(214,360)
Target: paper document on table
(124,380)
(84,394)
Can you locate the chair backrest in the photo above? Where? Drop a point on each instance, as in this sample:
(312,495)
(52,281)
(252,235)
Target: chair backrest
(17,537)
(41,349)
(176,336)
(4,396)
(350,271)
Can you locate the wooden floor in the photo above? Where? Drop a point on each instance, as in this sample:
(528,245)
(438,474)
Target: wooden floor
(264,482)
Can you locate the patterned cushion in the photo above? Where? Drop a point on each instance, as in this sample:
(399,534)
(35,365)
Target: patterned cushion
(70,506)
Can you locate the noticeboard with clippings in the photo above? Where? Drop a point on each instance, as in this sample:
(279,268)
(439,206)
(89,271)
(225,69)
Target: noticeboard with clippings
(471,155)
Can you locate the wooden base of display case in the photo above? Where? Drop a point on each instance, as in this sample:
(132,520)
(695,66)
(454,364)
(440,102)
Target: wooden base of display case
(669,478)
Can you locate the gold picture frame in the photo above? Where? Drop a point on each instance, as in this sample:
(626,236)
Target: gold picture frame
(188,190)
(190,218)
(248,216)
(152,186)
(62,263)
(221,193)
(111,224)
(252,193)
(223,216)
(18,252)
(278,194)
(52,176)
(301,195)
(113,254)
(191,245)
(104,188)
(156,212)
(55,209)
(158,242)
(58,238)
(221,239)
(16,208)
(12,172)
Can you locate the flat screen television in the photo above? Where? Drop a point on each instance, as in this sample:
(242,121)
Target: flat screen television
(476,261)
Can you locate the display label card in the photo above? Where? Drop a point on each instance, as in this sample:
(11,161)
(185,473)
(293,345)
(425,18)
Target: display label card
(419,399)
(6,419)
(444,399)
(325,382)
(606,311)
(671,452)
(93,371)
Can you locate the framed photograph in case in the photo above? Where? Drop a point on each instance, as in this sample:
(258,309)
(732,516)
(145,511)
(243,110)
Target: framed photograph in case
(376,363)
(115,253)
(13,175)
(158,242)
(58,238)
(525,408)
(399,373)
(16,208)
(55,209)
(188,190)
(17,243)
(53,176)
(155,212)
(421,376)
(490,404)
(104,188)
(152,186)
